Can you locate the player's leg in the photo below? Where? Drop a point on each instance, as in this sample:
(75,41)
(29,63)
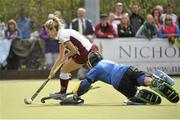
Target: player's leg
(145,96)
(65,76)
(128,87)
(164,89)
(67,68)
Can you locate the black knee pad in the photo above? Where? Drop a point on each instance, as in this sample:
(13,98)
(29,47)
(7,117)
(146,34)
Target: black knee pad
(147,96)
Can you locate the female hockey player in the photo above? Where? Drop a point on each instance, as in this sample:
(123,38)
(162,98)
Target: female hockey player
(77,47)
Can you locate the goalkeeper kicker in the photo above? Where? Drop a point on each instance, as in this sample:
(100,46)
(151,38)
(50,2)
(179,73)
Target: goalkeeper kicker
(126,79)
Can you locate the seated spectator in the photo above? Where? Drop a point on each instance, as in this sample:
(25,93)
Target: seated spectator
(148,29)
(25,25)
(12,33)
(104,29)
(51,46)
(82,24)
(119,10)
(170,11)
(157,17)
(58,14)
(169,29)
(136,20)
(124,29)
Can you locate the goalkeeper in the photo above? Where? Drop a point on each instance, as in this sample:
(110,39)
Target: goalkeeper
(125,79)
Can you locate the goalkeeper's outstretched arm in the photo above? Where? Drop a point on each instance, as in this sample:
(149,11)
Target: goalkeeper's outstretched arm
(83,87)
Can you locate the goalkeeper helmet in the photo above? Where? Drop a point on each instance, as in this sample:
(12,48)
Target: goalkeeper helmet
(94,58)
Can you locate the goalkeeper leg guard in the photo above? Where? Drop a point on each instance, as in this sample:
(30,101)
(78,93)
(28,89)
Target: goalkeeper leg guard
(165,90)
(146,96)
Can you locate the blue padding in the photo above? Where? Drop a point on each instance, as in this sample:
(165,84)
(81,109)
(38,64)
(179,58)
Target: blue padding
(140,80)
(165,77)
(84,87)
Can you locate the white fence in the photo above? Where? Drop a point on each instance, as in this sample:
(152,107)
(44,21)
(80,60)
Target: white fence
(147,55)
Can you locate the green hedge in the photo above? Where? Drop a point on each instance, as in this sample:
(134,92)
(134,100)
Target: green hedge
(39,9)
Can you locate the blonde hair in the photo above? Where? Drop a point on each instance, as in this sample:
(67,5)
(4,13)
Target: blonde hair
(53,23)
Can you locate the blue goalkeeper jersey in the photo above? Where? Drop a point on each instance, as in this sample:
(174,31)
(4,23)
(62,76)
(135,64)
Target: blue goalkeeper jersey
(108,72)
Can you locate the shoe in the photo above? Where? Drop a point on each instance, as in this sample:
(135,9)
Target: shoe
(57,96)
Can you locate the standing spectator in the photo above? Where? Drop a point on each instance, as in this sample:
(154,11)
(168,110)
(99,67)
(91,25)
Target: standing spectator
(51,46)
(12,33)
(179,21)
(104,29)
(148,29)
(119,9)
(2,29)
(58,14)
(160,8)
(82,24)
(111,18)
(136,20)
(157,17)
(25,25)
(169,29)
(4,46)
(124,29)
(170,11)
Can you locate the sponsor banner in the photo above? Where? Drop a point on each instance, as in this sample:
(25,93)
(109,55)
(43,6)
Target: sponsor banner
(147,55)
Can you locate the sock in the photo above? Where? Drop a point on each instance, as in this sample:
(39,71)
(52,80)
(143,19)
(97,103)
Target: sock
(64,85)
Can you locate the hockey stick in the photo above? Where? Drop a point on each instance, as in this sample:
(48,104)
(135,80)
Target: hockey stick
(59,95)
(30,100)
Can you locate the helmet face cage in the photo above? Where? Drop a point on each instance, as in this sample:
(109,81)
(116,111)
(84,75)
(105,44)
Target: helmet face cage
(94,58)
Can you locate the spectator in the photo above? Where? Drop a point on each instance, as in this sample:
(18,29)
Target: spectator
(124,29)
(51,46)
(58,14)
(160,8)
(111,18)
(12,33)
(157,17)
(82,24)
(119,9)
(136,20)
(169,29)
(104,29)
(148,29)
(25,25)
(4,46)
(2,29)
(169,11)
(179,21)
